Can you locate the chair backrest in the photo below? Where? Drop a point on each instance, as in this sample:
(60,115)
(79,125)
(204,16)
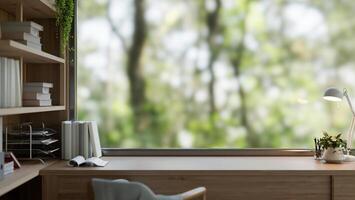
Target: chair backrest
(195,194)
(125,190)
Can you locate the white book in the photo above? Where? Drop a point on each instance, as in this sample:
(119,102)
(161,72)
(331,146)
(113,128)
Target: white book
(2,81)
(20,36)
(7,83)
(80,161)
(12,24)
(84,139)
(14,84)
(75,139)
(29,30)
(44,90)
(37,102)
(39,84)
(36,96)
(1,140)
(18,85)
(27,27)
(95,139)
(33,45)
(10,83)
(66,140)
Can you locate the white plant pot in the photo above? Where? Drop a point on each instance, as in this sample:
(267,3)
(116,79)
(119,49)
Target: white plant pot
(333,155)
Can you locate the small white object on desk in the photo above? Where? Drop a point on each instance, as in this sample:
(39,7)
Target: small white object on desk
(349,158)
(80,161)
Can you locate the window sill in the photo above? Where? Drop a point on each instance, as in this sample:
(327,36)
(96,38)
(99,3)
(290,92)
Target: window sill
(206,152)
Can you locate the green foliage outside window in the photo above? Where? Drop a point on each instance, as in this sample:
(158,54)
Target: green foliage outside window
(214,73)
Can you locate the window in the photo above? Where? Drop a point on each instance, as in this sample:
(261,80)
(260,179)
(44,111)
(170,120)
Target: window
(214,73)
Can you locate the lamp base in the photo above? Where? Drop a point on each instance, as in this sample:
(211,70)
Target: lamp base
(349,158)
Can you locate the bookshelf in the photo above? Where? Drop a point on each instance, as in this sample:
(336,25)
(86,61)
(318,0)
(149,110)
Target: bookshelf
(46,65)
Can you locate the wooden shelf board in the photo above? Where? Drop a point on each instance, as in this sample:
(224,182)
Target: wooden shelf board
(25,110)
(28,171)
(32,8)
(11,48)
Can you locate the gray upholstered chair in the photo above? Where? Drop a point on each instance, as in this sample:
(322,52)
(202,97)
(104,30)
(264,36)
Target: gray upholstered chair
(125,190)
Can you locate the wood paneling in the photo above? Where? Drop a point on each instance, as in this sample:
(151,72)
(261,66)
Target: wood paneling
(218,187)
(4,16)
(343,187)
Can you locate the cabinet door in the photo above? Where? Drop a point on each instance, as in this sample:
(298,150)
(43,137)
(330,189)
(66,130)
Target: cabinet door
(219,187)
(248,187)
(343,187)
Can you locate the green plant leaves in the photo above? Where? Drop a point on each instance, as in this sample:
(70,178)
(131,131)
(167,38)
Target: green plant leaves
(65,15)
(328,141)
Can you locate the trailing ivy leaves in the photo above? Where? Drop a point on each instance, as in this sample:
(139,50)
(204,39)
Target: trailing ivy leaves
(65,15)
(328,141)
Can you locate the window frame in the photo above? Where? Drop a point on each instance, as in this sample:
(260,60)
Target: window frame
(206,152)
(72,101)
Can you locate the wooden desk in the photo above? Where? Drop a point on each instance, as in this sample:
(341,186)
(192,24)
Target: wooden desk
(226,178)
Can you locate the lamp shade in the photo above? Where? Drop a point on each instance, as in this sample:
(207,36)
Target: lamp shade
(333,94)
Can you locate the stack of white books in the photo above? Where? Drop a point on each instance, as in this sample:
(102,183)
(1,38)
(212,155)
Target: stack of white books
(24,32)
(80,138)
(10,83)
(37,94)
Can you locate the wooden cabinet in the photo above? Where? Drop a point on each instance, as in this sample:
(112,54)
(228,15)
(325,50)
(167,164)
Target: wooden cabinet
(343,187)
(218,187)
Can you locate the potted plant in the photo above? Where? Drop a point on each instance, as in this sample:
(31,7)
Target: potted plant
(333,148)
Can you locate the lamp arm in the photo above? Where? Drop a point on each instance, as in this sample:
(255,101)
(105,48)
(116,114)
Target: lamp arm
(350,136)
(349,101)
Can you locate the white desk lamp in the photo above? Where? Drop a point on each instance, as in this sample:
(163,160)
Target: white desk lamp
(333,94)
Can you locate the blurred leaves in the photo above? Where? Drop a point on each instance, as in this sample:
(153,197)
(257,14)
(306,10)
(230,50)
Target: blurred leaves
(286,53)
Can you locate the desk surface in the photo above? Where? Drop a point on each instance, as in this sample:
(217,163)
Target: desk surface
(28,171)
(205,165)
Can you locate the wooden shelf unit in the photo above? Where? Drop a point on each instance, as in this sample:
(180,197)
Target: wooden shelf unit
(48,65)
(14,49)
(33,8)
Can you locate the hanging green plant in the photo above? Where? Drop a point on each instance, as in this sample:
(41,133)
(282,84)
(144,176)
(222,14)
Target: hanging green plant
(65,15)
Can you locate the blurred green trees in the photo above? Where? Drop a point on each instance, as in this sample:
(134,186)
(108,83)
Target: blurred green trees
(214,73)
